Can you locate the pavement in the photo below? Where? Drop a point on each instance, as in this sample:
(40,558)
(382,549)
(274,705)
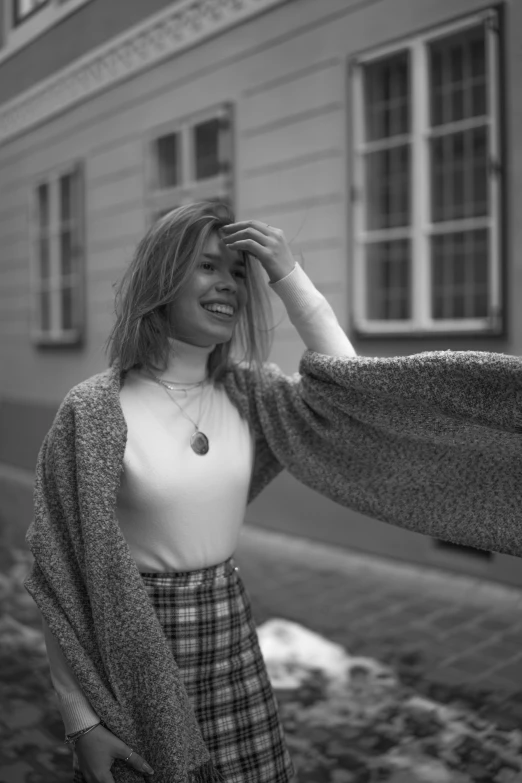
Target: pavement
(450,640)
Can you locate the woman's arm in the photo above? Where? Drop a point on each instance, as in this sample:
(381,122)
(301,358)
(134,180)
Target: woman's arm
(307,308)
(74,707)
(312,315)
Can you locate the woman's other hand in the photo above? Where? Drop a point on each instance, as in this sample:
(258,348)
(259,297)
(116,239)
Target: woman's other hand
(96,752)
(266,243)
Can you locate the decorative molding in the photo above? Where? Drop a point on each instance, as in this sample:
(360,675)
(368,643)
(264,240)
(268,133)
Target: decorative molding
(183,25)
(38,22)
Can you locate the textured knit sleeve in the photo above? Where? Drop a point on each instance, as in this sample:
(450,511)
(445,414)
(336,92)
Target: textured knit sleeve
(431,442)
(74,707)
(312,315)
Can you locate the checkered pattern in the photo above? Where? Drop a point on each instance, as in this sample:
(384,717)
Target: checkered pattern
(207,619)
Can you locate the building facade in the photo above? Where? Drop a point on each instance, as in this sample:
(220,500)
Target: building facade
(383,136)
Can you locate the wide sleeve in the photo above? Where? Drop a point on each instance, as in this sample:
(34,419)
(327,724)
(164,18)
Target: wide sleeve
(430,442)
(74,707)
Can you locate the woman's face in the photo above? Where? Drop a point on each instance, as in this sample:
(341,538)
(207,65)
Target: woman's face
(211,302)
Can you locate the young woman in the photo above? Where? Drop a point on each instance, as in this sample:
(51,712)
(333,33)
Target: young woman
(143,480)
(192,295)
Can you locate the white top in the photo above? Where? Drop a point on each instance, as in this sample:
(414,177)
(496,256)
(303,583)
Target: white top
(191,506)
(177,510)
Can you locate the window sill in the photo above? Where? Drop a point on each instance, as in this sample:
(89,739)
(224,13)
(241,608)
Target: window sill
(16,38)
(418,335)
(70,341)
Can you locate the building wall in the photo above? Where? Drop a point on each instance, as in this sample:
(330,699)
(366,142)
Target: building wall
(285,72)
(87,28)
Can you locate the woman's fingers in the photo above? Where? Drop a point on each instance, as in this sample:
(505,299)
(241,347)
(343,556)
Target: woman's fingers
(135,761)
(244,225)
(244,234)
(266,243)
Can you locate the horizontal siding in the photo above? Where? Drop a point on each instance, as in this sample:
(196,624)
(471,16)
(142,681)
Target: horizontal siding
(110,258)
(115,160)
(286,76)
(117,224)
(318,180)
(277,145)
(308,90)
(155,93)
(91,26)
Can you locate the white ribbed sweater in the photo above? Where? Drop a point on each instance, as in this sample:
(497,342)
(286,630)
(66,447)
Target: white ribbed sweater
(186,528)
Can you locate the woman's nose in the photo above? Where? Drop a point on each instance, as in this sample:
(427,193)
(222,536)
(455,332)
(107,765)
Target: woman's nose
(228,282)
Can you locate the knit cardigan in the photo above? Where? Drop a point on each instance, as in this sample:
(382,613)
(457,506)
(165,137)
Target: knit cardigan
(429,442)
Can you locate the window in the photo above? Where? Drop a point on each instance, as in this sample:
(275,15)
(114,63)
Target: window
(190,161)
(426,199)
(23,9)
(57,271)
(23,21)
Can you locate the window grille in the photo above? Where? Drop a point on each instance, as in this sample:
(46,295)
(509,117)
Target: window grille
(23,9)
(191,160)
(57,270)
(426,206)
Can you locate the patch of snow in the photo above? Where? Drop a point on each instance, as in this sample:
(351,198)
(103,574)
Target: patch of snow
(292,653)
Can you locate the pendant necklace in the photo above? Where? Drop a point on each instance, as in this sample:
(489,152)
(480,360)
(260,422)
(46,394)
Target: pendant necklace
(198,440)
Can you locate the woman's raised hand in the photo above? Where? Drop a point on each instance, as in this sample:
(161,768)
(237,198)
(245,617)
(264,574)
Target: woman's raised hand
(96,752)
(266,243)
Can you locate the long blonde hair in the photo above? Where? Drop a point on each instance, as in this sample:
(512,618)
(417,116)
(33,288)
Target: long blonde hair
(163,261)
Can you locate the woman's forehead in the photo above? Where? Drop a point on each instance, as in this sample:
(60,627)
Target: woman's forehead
(216,247)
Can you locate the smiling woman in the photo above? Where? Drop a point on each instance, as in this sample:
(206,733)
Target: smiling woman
(214,298)
(191,309)
(184,264)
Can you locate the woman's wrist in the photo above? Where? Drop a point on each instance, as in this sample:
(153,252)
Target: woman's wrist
(71,739)
(279,272)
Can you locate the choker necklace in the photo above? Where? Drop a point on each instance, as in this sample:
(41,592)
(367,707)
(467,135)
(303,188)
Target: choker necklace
(198,440)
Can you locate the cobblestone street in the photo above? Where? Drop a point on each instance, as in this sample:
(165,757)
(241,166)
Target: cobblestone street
(450,641)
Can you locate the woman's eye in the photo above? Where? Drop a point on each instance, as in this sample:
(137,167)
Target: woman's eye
(206,265)
(241,275)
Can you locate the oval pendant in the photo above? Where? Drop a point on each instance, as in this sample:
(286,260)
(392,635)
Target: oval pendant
(199,443)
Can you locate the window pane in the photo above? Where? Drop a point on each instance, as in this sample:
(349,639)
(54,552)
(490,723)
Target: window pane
(387,97)
(43,207)
(206,149)
(23,8)
(459,181)
(43,232)
(65,198)
(67,307)
(459,270)
(167,154)
(45,311)
(66,252)
(389,280)
(388,188)
(458,77)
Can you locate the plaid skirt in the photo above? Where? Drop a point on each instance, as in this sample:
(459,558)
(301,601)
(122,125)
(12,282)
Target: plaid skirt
(207,619)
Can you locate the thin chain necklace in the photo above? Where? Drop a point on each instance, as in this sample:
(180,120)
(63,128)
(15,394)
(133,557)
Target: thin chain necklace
(180,385)
(198,440)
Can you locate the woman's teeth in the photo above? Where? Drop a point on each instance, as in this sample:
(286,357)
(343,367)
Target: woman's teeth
(222,309)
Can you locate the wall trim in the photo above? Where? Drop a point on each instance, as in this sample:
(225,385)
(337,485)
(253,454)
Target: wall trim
(171,31)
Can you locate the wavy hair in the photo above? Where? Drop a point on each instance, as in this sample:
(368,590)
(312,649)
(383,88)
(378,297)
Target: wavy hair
(162,263)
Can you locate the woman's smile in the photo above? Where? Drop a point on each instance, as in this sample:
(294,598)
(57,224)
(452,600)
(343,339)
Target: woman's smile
(218,287)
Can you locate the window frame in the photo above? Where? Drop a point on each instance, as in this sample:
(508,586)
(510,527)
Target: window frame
(57,336)
(421,229)
(189,189)
(20,33)
(18,20)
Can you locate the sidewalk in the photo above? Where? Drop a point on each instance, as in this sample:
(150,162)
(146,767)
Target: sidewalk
(450,639)
(449,630)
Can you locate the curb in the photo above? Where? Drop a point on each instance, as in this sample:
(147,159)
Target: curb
(303,552)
